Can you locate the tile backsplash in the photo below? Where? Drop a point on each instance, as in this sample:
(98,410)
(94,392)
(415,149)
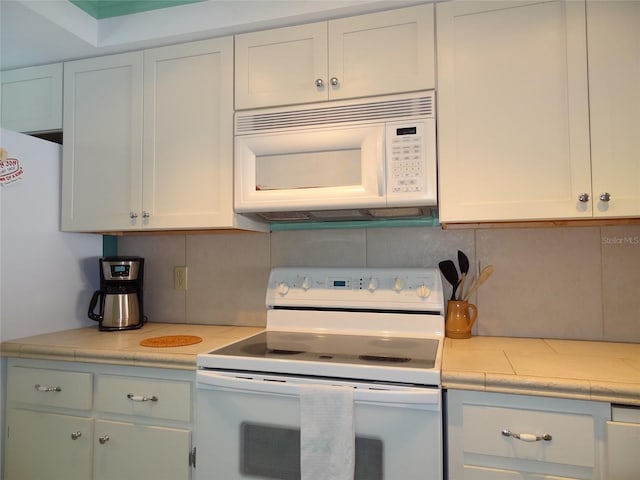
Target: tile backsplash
(575,283)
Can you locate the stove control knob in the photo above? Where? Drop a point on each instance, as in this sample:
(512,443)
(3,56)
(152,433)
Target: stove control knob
(306,284)
(373,284)
(398,284)
(423,291)
(282,288)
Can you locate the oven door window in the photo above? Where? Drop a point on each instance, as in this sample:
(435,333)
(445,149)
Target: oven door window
(335,168)
(269,451)
(310,168)
(251,434)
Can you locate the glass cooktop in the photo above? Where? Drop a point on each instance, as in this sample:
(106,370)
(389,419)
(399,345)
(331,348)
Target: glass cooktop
(336,348)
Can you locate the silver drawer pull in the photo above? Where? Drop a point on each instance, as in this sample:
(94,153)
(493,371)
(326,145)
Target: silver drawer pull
(47,388)
(75,435)
(527,437)
(103,439)
(141,398)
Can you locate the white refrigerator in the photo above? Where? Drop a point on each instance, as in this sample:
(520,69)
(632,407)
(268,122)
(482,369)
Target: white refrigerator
(46,276)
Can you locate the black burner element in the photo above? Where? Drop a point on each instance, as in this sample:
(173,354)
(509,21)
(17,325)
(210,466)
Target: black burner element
(277,351)
(382,358)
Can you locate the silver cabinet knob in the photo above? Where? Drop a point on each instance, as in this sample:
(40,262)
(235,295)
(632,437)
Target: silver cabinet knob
(319,83)
(583,197)
(75,435)
(605,197)
(103,439)
(133,215)
(145,214)
(334,81)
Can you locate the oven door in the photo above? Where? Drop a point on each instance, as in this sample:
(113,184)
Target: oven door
(317,168)
(248,427)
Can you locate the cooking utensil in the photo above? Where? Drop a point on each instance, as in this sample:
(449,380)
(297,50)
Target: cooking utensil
(484,274)
(463,263)
(448,269)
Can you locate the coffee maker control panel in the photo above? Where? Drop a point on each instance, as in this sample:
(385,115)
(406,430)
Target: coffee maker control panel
(120,269)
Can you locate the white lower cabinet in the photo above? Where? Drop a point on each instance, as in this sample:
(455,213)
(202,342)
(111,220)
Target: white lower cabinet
(129,450)
(623,444)
(70,421)
(503,436)
(41,445)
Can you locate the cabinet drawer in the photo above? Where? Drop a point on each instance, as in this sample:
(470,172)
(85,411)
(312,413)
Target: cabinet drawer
(54,388)
(572,435)
(148,397)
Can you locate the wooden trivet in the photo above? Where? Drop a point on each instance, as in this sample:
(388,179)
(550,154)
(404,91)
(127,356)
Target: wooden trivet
(171,341)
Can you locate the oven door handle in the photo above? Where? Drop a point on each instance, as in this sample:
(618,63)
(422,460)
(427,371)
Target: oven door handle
(417,397)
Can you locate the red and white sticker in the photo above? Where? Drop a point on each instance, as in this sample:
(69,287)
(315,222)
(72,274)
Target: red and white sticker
(10,169)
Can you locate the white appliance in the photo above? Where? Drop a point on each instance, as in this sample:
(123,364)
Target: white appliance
(365,158)
(377,331)
(47,276)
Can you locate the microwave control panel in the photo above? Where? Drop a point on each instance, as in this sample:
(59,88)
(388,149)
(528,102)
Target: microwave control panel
(410,162)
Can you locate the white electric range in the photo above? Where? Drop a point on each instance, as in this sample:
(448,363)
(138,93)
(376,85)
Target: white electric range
(379,331)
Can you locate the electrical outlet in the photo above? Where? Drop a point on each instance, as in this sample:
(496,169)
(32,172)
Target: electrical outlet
(180,278)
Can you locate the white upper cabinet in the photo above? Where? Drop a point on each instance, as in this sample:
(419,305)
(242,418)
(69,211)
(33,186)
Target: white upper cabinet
(513,120)
(102,168)
(614,89)
(188,154)
(374,54)
(32,98)
(149,141)
(281,66)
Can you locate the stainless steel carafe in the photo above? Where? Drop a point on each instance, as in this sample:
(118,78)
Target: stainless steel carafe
(120,294)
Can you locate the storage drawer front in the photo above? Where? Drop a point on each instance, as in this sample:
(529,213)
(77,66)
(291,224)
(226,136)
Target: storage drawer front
(154,398)
(572,441)
(52,388)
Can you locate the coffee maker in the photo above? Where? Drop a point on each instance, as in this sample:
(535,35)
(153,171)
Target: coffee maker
(120,294)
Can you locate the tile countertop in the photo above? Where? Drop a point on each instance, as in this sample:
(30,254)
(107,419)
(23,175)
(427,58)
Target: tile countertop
(123,347)
(559,368)
(600,371)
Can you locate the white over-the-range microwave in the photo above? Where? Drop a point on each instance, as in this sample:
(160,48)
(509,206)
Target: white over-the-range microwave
(356,159)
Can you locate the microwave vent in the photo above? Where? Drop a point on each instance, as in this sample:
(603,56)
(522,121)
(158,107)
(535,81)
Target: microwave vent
(344,215)
(363,111)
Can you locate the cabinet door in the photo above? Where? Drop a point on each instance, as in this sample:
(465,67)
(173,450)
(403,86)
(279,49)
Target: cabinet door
(188,135)
(127,450)
(380,53)
(102,154)
(513,125)
(623,445)
(32,98)
(282,66)
(47,446)
(614,88)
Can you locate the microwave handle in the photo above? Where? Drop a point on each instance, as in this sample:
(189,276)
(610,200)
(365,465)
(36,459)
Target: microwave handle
(418,397)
